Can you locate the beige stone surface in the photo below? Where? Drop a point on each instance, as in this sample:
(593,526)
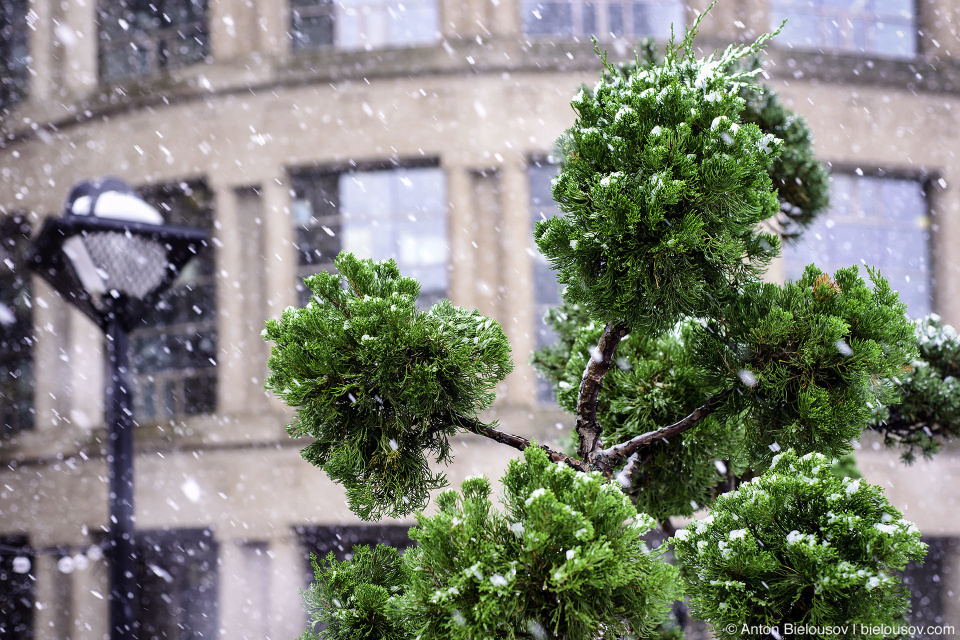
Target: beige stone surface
(482,104)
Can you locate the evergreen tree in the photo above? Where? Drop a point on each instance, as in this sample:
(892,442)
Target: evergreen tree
(718,390)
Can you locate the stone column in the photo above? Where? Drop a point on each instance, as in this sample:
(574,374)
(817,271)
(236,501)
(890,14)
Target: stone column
(232,393)
(944,203)
(287,616)
(244,590)
(233,29)
(89,601)
(505,17)
(279,256)
(486,212)
(52,319)
(241,290)
(273,22)
(278,250)
(516,275)
(461,232)
(48,598)
(40,41)
(77,37)
(937,28)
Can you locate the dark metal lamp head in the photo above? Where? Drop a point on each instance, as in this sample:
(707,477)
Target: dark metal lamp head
(110,254)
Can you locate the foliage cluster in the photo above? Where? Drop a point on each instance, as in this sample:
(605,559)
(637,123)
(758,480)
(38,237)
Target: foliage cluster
(800,545)
(567,557)
(929,412)
(706,374)
(378,382)
(663,189)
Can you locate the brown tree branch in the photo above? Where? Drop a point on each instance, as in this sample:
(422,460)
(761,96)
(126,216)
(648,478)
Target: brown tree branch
(601,360)
(519,443)
(612,456)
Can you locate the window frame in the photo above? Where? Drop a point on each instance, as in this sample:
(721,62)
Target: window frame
(367,22)
(331,222)
(197,284)
(154,42)
(923,221)
(844,20)
(583,27)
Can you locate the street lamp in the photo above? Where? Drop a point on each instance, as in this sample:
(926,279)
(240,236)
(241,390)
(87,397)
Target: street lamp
(111,256)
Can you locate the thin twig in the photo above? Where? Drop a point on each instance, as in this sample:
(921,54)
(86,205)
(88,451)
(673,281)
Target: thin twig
(519,443)
(612,456)
(601,361)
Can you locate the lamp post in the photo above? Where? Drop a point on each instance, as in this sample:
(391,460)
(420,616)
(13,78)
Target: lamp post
(111,256)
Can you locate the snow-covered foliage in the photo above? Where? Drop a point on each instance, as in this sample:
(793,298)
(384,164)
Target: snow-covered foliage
(798,545)
(663,188)
(379,383)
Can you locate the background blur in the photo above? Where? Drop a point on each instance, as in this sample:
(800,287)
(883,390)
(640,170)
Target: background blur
(414,129)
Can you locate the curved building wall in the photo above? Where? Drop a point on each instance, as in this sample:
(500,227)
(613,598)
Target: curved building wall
(261,127)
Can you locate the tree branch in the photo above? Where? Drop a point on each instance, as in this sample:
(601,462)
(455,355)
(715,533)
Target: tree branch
(519,443)
(609,458)
(601,360)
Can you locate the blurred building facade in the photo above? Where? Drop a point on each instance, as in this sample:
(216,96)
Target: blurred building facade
(419,130)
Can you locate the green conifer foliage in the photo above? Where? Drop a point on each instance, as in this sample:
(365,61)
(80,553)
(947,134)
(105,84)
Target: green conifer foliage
(379,383)
(356,599)
(686,373)
(929,411)
(663,188)
(799,546)
(565,560)
(801,181)
(655,381)
(810,358)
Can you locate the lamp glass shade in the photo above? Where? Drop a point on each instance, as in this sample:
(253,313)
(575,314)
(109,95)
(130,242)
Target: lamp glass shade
(113,263)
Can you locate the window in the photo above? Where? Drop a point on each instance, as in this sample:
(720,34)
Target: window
(16,589)
(881,222)
(16,327)
(931,598)
(177,578)
(141,37)
(604,19)
(173,356)
(885,27)
(386,213)
(14,55)
(546,288)
(320,541)
(362,24)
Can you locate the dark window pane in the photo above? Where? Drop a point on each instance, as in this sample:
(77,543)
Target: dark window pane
(14,53)
(139,37)
(615,19)
(546,287)
(16,589)
(312,24)
(16,327)
(320,541)
(177,578)
(179,338)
